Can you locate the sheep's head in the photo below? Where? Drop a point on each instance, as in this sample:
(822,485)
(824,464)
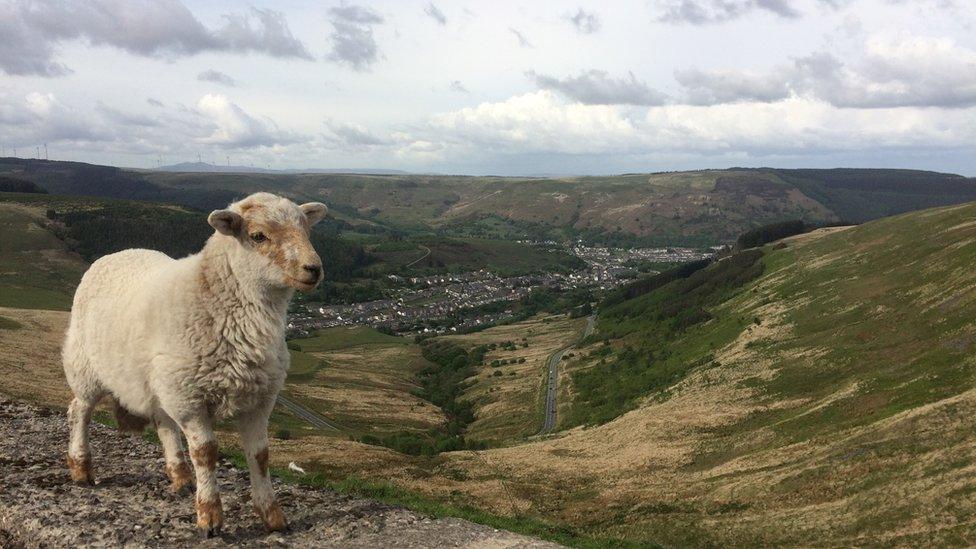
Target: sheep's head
(276,231)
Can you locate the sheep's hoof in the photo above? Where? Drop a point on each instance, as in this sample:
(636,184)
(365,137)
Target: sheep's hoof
(81,471)
(181,491)
(210,517)
(284,528)
(208,533)
(274,519)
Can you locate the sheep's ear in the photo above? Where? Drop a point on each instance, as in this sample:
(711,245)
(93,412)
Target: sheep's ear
(314,211)
(226,222)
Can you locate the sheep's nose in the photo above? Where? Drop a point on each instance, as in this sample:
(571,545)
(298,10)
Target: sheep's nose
(314,270)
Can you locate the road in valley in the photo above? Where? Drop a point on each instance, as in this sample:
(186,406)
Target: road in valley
(319,422)
(305,414)
(419,259)
(549,421)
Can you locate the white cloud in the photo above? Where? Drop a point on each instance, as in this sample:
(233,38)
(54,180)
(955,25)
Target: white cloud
(436,14)
(702,12)
(216,77)
(596,87)
(523,41)
(535,122)
(233,127)
(879,80)
(215,121)
(352,136)
(541,123)
(42,117)
(352,38)
(585,22)
(891,72)
(32,31)
(731,86)
(421,150)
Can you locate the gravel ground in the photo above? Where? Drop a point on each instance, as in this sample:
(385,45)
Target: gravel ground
(131,505)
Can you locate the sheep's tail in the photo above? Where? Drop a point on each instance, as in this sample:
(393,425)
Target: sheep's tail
(128,422)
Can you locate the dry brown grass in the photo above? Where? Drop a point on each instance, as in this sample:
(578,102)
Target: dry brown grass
(651,456)
(30,357)
(370,388)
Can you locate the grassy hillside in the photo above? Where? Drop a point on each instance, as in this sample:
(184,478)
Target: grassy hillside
(860,195)
(647,352)
(37,269)
(693,208)
(827,402)
(430,255)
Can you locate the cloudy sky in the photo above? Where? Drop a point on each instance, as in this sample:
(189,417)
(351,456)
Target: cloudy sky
(493,87)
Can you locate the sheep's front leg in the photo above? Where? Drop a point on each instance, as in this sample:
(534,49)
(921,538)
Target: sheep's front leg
(203,452)
(79,452)
(177,469)
(254,437)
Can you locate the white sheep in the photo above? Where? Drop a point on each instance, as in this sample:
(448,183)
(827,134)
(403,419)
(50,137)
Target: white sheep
(183,343)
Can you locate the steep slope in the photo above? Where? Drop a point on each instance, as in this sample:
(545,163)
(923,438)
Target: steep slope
(827,402)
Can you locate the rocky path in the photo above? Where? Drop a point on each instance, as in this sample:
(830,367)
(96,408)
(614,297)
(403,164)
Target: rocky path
(131,506)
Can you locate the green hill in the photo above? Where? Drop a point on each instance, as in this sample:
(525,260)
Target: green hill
(826,399)
(48,240)
(675,208)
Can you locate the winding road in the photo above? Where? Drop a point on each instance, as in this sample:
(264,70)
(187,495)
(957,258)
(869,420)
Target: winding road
(549,421)
(419,259)
(305,414)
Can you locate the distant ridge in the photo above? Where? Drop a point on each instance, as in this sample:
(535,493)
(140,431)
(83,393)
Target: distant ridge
(204,167)
(691,208)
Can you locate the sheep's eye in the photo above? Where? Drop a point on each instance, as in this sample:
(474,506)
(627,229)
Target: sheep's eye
(258,237)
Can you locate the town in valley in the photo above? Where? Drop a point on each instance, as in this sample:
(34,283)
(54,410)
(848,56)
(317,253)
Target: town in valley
(450,303)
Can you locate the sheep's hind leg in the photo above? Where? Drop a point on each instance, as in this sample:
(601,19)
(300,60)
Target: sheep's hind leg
(254,437)
(79,450)
(203,451)
(177,468)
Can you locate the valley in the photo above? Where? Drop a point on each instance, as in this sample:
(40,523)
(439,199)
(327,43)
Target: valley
(814,390)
